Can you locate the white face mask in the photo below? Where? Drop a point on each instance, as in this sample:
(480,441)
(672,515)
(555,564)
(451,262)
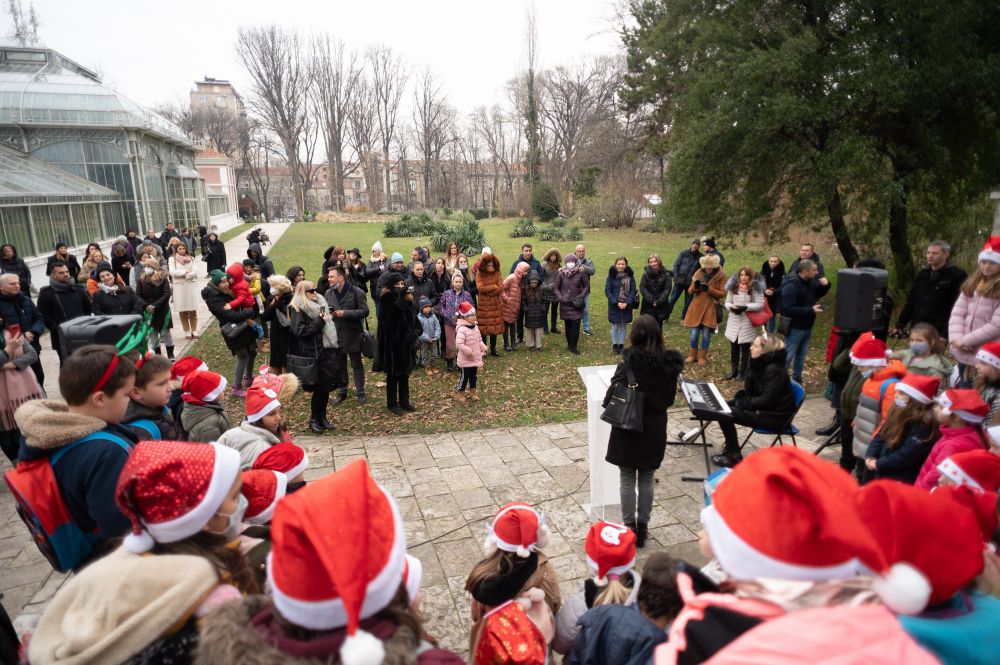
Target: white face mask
(148,270)
(235,519)
(901,402)
(867,372)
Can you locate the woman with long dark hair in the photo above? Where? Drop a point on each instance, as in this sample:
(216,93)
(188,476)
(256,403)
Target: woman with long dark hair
(639,454)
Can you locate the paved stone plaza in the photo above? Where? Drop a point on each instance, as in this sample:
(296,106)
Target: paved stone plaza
(447,486)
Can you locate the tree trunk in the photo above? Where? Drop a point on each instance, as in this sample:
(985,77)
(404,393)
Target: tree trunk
(899,242)
(840,233)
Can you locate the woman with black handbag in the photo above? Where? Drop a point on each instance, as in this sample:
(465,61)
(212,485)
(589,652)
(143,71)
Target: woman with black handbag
(638,454)
(396,335)
(317,364)
(236,331)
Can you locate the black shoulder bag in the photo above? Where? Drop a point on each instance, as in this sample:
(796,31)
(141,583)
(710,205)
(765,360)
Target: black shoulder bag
(624,411)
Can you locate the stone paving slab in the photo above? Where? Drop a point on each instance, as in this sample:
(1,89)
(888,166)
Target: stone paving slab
(448,486)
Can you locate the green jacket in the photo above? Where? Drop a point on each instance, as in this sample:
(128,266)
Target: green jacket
(204,422)
(933,365)
(852,388)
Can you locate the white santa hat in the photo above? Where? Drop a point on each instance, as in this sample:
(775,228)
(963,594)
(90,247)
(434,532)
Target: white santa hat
(413,575)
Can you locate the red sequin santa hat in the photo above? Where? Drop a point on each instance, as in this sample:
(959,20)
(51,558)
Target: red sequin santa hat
(989,353)
(204,386)
(337,557)
(610,549)
(413,575)
(964,403)
(991,250)
(261,401)
(919,387)
(169,490)
(185,366)
(466,310)
(979,469)
(287,458)
(813,532)
(869,351)
(262,490)
(930,531)
(517,528)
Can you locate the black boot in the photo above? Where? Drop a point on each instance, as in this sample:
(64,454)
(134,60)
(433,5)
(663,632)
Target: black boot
(744,362)
(630,524)
(734,362)
(493,346)
(341,396)
(326,423)
(451,364)
(640,534)
(170,352)
(157,351)
(831,428)
(727,458)
(316,426)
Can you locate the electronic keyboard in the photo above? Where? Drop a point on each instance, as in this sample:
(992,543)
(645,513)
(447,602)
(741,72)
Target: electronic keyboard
(705,396)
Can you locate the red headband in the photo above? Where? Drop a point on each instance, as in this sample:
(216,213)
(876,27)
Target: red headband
(101,382)
(143,358)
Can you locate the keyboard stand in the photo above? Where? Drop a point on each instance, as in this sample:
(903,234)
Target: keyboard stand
(703,444)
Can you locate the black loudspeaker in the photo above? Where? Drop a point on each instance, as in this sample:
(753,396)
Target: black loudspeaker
(85,330)
(861,296)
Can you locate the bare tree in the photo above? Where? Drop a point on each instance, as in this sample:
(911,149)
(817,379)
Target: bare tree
(279,75)
(362,133)
(432,119)
(335,76)
(257,151)
(388,78)
(25,22)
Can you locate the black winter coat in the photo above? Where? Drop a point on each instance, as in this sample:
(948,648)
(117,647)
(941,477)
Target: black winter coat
(123,301)
(255,254)
(534,310)
(398,329)
(441,284)
(216,301)
(214,253)
(71,263)
(773,279)
(612,287)
(657,379)
(282,339)
(422,288)
(767,392)
(655,289)
(309,337)
(932,296)
(794,269)
(354,302)
(17,266)
(157,295)
(60,306)
(902,463)
(358,274)
(685,266)
(798,298)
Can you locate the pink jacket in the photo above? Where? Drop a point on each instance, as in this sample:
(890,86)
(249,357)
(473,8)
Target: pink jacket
(974,321)
(510,297)
(469,343)
(868,634)
(953,440)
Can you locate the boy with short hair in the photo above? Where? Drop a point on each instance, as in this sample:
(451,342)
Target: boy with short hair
(430,333)
(95,382)
(147,415)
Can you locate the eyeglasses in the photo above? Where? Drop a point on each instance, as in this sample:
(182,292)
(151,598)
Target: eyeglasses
(310,290)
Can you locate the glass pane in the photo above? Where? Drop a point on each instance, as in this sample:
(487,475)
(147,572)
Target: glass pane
(177,209)
(43,229)
(86,223)
(174,188)
(60,224)
(113,221)
(192,213)
(14,222)
(189,188)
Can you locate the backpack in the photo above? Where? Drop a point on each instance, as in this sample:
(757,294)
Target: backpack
(41,506)
(151,429)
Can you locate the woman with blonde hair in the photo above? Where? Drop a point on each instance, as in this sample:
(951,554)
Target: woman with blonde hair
(451,257)
(184,273)
(316,337)
(153,289)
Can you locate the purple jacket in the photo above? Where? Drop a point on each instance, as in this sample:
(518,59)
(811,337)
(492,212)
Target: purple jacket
(448,305)
(570,287)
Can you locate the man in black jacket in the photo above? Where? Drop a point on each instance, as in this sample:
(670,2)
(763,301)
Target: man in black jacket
(349,305)
(17,309)
(168,234)
(799,294)
(684,266)
(808,252)
(61,301)
(934,291)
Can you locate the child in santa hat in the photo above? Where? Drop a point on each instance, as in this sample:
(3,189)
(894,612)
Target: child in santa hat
(514,568)
(262,489)
(988,379)
(181,368)
(960,414)
(908,434)
(978,469)
(610,552)
(471,351)
(286,458)
(265,422)
(204,415)
(871,357)
(145,599)
(331,602)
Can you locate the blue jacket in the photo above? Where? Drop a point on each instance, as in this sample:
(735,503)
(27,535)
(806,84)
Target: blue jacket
(903,463)
(431,327)
(964,633)
(21,311)
(615,635)
(612,286)
(533,264)
(798,298)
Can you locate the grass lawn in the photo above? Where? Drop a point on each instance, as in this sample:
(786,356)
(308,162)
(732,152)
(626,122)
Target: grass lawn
(520,388)
(238,230)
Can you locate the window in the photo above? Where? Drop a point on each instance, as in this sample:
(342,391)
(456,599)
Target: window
(356,183)
(203,98)
(215,88)
(413,185)
(51,226)
(218,205)
(86,223)
(114,223)
(14,227)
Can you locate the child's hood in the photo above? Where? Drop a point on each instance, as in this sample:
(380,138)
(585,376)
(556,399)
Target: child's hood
(235,273)
(464,322)
(48,424)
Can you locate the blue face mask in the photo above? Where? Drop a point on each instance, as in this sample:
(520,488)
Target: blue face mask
(919,348)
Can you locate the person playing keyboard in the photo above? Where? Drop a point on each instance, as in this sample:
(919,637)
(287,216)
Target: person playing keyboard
(766,399)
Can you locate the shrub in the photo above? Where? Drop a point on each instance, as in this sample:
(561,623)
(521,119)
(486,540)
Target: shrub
(524,228)
(480,213)
(469,236)
(408,226)
(574,233)
(461,216)
(544,202)
(559,222)
(552,233)
(445,211)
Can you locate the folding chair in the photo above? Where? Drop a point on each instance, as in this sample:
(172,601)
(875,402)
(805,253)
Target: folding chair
(789,429)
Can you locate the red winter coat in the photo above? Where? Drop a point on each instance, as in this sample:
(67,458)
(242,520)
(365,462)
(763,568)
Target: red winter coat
(953,440)
(511,294)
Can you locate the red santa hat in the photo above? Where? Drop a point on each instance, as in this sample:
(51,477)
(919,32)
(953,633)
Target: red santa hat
(930,531)
(508,635)
(169,490)
(337,557)
(813,532)
(185,366)
(203,385)
(466,309)
(919,387)
(982,504)
(262,490)
(869,351)
(989,353)
(517,528)
(610,549)
(261,401)
(991,250)
(979,469)
(286,458)
(413,575)
(964,403)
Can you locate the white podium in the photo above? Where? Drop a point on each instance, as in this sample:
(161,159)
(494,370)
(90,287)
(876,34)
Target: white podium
(605,498)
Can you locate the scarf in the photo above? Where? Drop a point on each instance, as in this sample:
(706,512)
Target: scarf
(312,309)
(17,386)
(107,289)
(183,259)
(60,286)
(623,291)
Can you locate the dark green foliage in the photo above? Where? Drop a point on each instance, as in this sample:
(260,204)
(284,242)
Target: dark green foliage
(408,226)
(525,228)
(574,233)
(544,202)
(468,234)
(585,182)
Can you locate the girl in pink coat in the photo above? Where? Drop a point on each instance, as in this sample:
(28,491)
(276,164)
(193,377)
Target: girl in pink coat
(975,318)
(510,304)
(961,413)
(471,350)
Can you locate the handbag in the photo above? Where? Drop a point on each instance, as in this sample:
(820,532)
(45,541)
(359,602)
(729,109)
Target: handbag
(237,335)
(624,409)
(306,369)
(761,316)
(784,325)
(367,344)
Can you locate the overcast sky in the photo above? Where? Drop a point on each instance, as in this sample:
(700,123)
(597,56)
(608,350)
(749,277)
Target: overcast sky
(154,51)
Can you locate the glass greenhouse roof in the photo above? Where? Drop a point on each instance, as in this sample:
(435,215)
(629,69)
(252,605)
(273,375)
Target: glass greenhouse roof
(23,179)
(39,86)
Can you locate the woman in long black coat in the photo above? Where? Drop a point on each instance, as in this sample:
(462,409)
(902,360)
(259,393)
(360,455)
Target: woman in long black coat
(316,333)
(217,295)
(773,272)
(397,332)
(279,319)
(153,289)
(639,454)
(213,251)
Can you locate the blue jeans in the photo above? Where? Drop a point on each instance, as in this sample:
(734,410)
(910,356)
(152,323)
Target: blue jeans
(797,346)
(706,336)
(675,295)
(586,313)
(772,324)
(618,332)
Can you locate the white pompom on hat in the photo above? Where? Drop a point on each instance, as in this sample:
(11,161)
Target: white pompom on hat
(518,529)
